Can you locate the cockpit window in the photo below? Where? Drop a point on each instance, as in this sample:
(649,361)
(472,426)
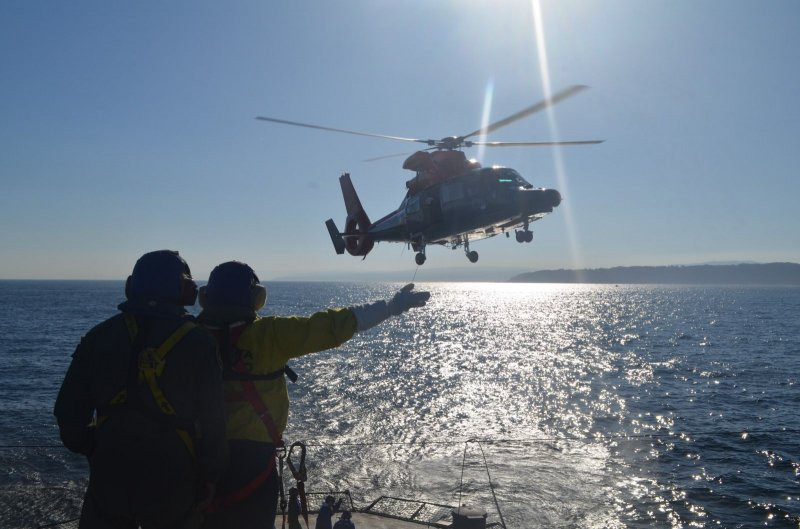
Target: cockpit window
(505,176)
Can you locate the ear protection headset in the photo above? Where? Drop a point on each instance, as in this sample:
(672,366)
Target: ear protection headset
(258,295)
(202,297)
(162,276)
(258,292)
(233,284)
(189,291)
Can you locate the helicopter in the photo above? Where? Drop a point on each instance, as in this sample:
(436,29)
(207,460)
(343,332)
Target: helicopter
(451,200)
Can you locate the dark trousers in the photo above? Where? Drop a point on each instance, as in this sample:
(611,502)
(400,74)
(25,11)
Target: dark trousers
(93,516)
(149,482)
(247,460)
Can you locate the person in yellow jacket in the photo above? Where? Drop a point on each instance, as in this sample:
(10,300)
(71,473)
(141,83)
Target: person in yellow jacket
(254,353)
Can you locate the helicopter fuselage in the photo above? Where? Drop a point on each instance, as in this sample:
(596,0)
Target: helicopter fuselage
(480,203)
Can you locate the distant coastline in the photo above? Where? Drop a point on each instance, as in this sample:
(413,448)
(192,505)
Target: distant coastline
(738,274)
(706,274)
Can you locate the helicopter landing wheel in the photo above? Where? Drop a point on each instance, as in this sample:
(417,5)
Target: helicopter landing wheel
(420,259)
(472,256)
(528,236)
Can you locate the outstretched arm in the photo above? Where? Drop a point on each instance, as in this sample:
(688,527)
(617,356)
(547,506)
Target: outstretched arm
(296,336)
(372,314)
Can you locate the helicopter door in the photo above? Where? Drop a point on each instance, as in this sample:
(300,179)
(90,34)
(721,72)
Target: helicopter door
(414,217)
(431,206)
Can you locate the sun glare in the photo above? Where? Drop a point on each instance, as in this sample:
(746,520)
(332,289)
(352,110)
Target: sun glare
(487,112)
(561,175)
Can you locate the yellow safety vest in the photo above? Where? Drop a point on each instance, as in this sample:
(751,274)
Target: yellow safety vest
(265,346)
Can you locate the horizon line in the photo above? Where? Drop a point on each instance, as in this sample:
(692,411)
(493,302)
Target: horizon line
(301,279)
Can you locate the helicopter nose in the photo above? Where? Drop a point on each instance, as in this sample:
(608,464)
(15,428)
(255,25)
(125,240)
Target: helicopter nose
(553,196)
(541,200)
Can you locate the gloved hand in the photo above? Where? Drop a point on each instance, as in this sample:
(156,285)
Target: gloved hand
(406,299)
(372,314)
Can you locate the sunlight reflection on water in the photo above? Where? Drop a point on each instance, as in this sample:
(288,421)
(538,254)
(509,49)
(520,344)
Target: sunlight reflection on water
(506,361)
(571,369)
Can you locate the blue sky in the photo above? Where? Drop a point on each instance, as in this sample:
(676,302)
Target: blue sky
(129,126)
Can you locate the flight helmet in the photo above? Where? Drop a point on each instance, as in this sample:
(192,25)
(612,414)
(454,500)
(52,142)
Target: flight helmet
(161,277)
(233,284)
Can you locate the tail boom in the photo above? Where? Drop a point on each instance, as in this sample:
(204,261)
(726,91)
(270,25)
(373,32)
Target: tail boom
(357,224)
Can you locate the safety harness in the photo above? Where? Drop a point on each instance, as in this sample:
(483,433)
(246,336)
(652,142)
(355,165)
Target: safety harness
(146,364)
(234,369)
(300,474)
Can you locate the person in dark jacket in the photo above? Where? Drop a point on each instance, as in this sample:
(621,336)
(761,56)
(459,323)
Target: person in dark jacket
(143,400)
(345,521)
(255,351)
(326,511)
(294,509)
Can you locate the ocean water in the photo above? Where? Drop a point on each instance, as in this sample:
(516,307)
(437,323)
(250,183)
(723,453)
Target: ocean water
(595,406)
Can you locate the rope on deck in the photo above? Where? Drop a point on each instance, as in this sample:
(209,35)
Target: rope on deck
(491,486)
(488,475)
(461,482)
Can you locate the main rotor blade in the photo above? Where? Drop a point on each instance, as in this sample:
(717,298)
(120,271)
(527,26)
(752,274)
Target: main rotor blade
(533,143)
(398,154)
(387,156)
(307,125)
(538,107)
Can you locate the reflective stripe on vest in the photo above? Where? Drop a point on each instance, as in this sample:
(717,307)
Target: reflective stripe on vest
(230,336)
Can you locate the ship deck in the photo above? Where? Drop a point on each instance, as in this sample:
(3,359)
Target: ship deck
(386,512)
(368,521)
